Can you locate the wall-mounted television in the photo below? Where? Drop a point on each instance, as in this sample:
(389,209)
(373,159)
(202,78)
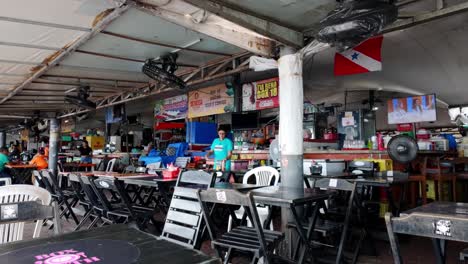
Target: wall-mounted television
(413,109)
(248,120)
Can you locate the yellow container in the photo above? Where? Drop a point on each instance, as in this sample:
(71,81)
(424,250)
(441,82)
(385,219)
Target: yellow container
(444,192)
(383,209)
(384,164)
(95,142)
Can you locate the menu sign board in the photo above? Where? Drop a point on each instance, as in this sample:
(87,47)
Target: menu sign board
(260,95)
(212,100)
(171,108)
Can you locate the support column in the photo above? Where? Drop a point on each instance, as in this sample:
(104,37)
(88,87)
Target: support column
(291,117)
(2,139)
(53,145)
(291,97)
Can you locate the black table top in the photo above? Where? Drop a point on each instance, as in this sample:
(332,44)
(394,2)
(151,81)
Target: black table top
(367,181)
(151,248)
(147,181)
(287,196)
(444,209)
(237,186)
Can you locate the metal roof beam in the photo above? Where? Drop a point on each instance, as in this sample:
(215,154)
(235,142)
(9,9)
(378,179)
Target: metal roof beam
(149,90)
(87,78)
(29,46)
(44,24)
(179,12)
(253,22)
(82,83)
(20,62)
(13,74)
(125,59)
(163,44)
(60,55)
(428,17)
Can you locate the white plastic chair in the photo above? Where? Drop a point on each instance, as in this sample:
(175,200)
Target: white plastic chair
(153,167)
(5,180)
(182,162)
(21,193)
(263,177)
(110,165)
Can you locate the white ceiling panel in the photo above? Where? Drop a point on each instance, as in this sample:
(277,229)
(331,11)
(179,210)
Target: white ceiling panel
(37,35)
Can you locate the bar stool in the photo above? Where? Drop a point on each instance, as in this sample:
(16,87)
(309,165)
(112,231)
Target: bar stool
(440,172)
(418,181)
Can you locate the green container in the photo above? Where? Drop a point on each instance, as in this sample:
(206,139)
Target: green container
(66,138)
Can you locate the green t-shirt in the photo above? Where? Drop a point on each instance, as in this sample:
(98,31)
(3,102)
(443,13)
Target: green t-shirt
(221,150)
(3,161)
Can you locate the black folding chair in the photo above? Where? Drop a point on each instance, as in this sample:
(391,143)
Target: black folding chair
(121,210)
(332,226)
(11,213)
(98,210)
(65,199)
(254,241)
(184,217)
(82,199)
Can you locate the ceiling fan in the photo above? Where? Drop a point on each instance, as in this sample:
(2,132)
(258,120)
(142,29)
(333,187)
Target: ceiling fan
(81,98)
(163,69)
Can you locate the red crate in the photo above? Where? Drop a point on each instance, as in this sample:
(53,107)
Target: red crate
(170,174)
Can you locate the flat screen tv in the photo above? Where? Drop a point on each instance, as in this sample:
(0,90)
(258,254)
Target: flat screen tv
(247,120)
(413,109)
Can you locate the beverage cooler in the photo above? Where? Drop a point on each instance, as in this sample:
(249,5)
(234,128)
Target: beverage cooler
(358,125)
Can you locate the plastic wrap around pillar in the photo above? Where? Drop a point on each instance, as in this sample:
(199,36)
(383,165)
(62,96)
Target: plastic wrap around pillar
(53,145)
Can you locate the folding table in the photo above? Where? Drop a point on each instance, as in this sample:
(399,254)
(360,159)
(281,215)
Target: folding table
(21,173)
(440,221)
(292,199)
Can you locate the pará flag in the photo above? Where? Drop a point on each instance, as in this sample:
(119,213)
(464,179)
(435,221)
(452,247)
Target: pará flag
(365,57)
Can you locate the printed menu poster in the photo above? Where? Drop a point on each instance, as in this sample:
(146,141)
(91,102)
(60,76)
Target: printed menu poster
(212,100)
(171,108)
(260,95)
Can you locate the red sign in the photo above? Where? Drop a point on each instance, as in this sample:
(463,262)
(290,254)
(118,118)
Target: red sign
(260,95)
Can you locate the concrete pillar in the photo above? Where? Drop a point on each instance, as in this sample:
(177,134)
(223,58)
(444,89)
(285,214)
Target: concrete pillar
(291,96)
(2,139)
(53,145)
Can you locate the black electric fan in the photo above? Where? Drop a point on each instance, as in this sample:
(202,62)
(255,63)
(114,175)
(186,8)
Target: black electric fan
(81,99)
(402,149)
(163,70)
(354,21)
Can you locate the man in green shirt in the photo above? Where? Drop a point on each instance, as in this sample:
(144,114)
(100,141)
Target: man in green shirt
(222,148)
(3,161)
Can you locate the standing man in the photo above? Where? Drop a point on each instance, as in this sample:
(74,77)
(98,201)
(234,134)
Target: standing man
(222,148)
(85,152)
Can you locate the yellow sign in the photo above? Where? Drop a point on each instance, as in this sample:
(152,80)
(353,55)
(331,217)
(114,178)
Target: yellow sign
(212,100)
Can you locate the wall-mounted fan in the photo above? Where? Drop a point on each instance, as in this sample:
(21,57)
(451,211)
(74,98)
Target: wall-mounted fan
(163,70)
(354,21)
(81,99)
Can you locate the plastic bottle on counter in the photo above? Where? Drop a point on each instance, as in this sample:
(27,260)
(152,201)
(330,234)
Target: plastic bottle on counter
(380,142)
(374,142)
